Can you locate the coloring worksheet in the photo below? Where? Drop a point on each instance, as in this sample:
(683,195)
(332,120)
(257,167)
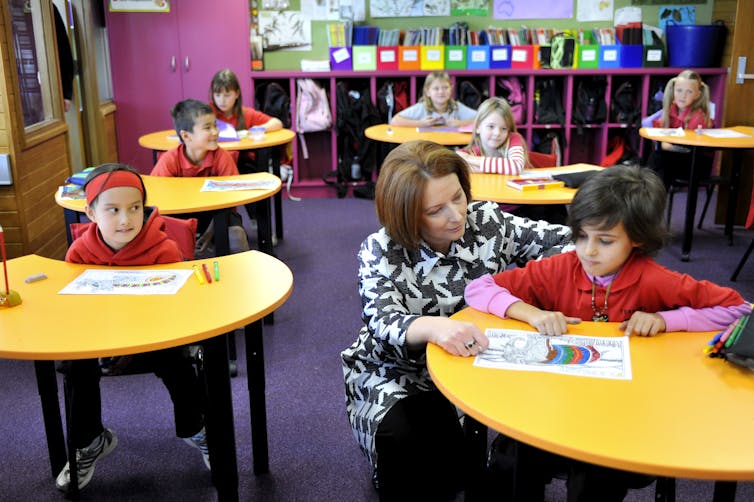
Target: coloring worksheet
(592,356)
(127,282)
(230,185)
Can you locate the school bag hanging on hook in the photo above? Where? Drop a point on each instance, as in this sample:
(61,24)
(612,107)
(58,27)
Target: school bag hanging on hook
(312,110)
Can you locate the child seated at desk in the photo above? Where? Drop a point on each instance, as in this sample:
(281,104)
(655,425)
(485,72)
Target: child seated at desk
(496,147)
(227,105)
(617,225)
(436,107)
(200,155)
(125,233)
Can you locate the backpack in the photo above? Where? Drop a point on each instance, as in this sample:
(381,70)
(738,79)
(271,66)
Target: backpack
(470,95)
(312,110)
(562,50)
(355,112)
(548,102)
(511,89)
(623,105)
(392,98)
(589,107)
(275,103)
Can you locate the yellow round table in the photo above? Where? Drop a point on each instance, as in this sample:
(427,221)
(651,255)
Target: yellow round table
(494,187)
(49,326)
(392,134)
(268,154)
(683,414)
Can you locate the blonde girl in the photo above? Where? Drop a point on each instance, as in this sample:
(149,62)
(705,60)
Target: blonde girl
(436,107)
(496,146)
(685,104)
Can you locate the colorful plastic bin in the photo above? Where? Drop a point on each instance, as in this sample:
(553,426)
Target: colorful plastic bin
(364,57)
(609,56)
(455,57)
(500,56)
(631,56)
(522,56)
(432,57)
(340,58)
(387,57)
(409,57)
(588,56)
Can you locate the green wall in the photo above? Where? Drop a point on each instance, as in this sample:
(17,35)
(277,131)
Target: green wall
(289,60)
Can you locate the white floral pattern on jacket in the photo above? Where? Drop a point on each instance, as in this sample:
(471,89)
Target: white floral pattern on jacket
(397,286)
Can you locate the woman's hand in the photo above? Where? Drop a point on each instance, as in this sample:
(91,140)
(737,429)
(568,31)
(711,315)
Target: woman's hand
(455,337)
(643,324)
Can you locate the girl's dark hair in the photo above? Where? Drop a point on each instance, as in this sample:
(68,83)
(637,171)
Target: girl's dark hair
(401,184)
(631,195)
(226,80)
(111,168)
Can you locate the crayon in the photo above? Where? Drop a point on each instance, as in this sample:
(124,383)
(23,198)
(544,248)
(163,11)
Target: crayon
(206,273)
(198,274)
(217,270)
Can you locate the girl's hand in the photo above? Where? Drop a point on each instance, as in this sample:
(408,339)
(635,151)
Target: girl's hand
(643,324)
(471,160)
(459,338)
(551,323)
(453,123)
(427,121)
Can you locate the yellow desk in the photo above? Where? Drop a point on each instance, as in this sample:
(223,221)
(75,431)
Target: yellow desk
(695,141)
(183,195)
(392,134)
(682,415)
(494,187)
(161,141)
(48,326)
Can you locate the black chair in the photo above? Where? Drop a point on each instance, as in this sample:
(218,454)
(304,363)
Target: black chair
(708,184)
(749,224)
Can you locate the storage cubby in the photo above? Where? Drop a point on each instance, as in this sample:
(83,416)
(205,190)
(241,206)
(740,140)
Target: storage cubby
(589,146)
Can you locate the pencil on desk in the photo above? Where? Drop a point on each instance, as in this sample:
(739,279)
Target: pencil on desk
(206,273)
(217,270)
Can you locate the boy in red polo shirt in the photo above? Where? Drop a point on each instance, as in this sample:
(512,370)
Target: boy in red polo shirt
(199,155)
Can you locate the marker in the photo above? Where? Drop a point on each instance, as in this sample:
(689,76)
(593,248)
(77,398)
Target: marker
(217,270)
(198,274)
(206,273)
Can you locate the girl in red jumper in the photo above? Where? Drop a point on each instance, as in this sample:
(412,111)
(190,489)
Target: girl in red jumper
(124,233)
(685,104)
(616,223)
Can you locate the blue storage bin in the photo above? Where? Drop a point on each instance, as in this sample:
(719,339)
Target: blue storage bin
(631,56)
(695,46)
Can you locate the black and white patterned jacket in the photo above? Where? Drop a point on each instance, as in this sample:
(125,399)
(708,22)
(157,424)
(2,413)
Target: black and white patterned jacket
(397,286)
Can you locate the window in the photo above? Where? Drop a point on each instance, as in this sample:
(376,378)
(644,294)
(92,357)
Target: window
(29,45)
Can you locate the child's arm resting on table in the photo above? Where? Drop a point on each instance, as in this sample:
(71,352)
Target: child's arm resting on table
(486,295)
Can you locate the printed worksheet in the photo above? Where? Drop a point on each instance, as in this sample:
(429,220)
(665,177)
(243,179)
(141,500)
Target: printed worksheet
(724,133)
(230,185)
(590,356)
(127,282)
(657,131)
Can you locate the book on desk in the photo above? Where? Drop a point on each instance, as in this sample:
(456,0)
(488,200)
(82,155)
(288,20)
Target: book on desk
(526,184)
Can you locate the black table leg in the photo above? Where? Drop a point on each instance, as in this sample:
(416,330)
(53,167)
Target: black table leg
(476,454)
(735,182)
(688,224)
(267,157)
(219,425)
(257,405)
(725,491)
(47,386)
(665,489)
(222,248)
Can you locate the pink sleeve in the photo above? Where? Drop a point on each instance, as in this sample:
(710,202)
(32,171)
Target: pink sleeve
(704,319)
(485,295)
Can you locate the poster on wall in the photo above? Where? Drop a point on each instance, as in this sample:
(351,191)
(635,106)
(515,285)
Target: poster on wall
(526,9)
(285,30)
(470,8)
(409,8)
(139,6)
(594,10)
(333,10)
(676,15)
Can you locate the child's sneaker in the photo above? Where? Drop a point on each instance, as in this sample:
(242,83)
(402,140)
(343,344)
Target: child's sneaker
(85,460)
(199,441)
(237,239)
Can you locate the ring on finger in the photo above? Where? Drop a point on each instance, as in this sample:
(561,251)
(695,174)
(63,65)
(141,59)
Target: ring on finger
(469,344)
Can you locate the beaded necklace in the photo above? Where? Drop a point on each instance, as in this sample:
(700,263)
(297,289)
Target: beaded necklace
(601,314)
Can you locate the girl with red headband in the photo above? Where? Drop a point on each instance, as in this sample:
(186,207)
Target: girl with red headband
(125,232)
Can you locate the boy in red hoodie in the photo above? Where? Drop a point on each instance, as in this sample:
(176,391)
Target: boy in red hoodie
(124,233)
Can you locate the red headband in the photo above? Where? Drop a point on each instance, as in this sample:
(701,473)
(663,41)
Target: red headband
(112,179)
